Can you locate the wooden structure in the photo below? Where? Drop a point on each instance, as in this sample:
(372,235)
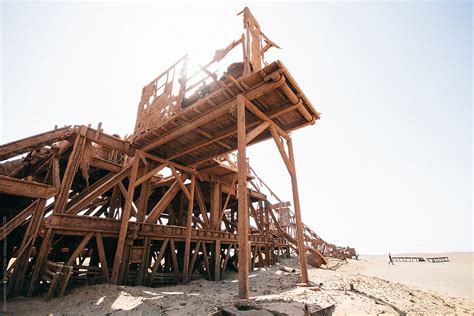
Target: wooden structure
(408,259)
(168,204)
(437,259)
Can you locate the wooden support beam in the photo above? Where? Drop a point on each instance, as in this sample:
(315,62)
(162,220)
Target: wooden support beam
(193,260)
(189,220)
(202,206)
(27,144)
(14,186)
(216,258)
(252,108)
(41,256)
(19,219)
(224,267)
(206,259)
(180,182)
(150,174)
(229,194)
(243,220)
(111,181)
(281,149)
(102,257)
(257,131)
(165,201)
(215,206)
(16,283)
(124,224)
(79,249)
(174,259)
(145,262)
(71,168)
(157,263)
(299,222)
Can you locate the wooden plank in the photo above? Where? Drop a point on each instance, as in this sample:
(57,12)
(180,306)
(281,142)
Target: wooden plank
(14,186)
(243,227)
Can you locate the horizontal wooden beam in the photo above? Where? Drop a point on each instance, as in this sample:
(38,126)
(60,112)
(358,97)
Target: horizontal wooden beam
(31,189)
(27,144)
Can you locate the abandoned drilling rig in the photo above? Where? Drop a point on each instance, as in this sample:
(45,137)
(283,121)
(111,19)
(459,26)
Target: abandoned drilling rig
(172,202)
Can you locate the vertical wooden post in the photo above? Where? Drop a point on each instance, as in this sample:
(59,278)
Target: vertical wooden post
(189,221)
(243,215)
(124,225)
(215,205)
(299,223)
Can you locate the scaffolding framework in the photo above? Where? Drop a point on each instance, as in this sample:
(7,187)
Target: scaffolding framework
(172,202)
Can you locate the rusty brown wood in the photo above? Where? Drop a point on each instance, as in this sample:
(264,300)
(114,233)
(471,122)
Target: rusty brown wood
(243,222)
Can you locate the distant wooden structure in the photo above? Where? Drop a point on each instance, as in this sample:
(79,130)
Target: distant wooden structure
(170,203)
(408,259)
(437,259)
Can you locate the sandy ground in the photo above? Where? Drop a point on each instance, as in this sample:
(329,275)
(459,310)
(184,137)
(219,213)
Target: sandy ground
(378,290)
(454,278)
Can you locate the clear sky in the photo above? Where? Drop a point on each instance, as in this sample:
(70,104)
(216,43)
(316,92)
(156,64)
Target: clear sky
(388,168)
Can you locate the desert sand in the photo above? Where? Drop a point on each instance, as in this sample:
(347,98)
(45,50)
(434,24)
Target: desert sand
(430,288)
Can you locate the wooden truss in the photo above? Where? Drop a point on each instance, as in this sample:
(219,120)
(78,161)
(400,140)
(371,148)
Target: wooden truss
(169,204)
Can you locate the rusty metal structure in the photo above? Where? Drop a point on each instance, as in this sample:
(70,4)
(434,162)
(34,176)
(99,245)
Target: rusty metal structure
(175,201)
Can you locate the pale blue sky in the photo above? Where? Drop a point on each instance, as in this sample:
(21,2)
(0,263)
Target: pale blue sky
(388,167)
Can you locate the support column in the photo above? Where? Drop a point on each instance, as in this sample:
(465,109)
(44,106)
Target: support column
(189,221)
(243,215)
(215,206)
(299,223)
(215,225)
(124,225)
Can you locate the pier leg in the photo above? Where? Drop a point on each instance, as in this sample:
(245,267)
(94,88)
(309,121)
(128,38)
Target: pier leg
(299,223)
(243,216)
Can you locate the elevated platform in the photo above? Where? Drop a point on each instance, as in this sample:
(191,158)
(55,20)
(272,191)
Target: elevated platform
(208,127)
